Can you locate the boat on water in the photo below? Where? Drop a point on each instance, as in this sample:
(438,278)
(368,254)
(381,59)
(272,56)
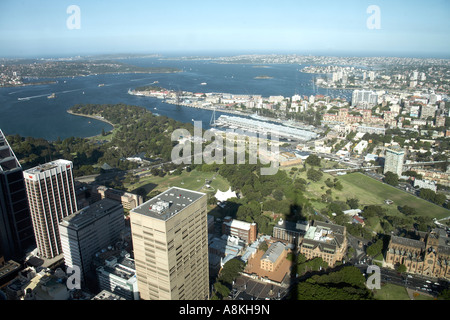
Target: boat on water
(203,83)
(52,96)
(101,85)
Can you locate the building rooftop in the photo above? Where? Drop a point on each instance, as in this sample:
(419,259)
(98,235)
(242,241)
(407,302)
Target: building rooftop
(408,242)
(325,234)
(48,166)
(106,295)
(87,215)
(274,251)
(396,149)
(168,203)
(233,223)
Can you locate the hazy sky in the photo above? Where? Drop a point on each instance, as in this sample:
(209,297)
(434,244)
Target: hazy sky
(39,28)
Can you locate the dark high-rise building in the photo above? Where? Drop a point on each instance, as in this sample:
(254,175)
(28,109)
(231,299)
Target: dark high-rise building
(16,230)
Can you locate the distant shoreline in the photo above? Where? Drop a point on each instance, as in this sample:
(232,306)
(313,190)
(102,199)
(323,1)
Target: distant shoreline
(92,117)
(28,84)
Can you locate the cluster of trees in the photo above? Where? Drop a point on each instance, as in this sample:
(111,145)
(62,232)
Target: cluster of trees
(34,151)
(277,194)
(137,131)
(304,266)
(227,275)
(334,184)
(430,195)
(346,284)
(391,178)
(375,248)
(313,160)
(314,175)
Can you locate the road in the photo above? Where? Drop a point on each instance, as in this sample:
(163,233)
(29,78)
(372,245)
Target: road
(142,171)
(411,281)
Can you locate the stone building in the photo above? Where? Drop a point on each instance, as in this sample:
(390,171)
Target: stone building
(429,256)
(324,240)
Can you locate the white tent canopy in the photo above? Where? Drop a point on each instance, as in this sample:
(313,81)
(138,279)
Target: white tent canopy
(224,196)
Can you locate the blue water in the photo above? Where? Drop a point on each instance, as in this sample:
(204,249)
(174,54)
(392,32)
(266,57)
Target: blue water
(41,117)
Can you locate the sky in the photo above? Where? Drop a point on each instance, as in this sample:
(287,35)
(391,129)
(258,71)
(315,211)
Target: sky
(30,28)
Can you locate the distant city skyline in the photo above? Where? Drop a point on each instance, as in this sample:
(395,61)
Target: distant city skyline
(406,28)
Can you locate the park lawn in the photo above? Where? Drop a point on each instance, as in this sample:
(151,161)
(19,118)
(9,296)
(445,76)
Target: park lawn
(391,292)
(194,180)
(370,191)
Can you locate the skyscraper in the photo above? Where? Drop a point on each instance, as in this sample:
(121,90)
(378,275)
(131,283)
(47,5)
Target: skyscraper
(89,230)
(364,98)
(170,243)
(16,230)
(51,197)
(393,160)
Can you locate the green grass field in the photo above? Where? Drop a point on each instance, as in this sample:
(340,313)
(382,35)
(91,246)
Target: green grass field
(370,191)
(394,292)
(194,180)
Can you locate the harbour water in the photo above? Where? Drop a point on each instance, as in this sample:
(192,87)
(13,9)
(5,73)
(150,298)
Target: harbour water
(28,111)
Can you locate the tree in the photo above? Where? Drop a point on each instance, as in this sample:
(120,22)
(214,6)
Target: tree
(440,199)
(314,175)
(353,203)
(401,268)
(407,210)
(263,246)
(277,194)
(231,270)
(338,186)
(221,289)
(391,178)
(313,160)
(375,248)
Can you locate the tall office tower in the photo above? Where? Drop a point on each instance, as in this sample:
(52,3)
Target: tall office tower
(16,229)
(170,243)
(51,197)
(88,231)
(393,160)
(365,98)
